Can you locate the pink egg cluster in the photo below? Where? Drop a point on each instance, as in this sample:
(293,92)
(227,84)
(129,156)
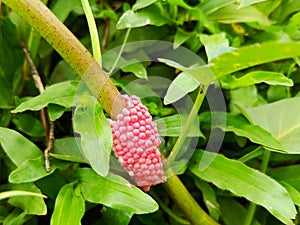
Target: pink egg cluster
(135,142)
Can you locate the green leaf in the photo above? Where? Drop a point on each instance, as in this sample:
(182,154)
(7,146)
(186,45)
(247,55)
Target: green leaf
(200,73)
(233,14)
(171,126)
(245,3)
(63,8)
(95,133)
(252,55)
(69,205)
(114,191)
(16,217)
(244,181)
(142,4)
(181,36)
(29,125)
(243,97)
(34,169)
(294,193)
(61,94)
(30,204)
(6,99)
(241,127)
(137,69)
(67,149)
(287,174)
(256,77)
(115,216)
(147,16)
(286,129)
(17,147)
(215,45)
(209,198)
(9,50)
(55,111)
(180,86)
(233,213)
(211,6)
(8,194)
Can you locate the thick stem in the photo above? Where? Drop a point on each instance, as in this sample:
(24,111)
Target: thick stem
(37,15)
(180,195)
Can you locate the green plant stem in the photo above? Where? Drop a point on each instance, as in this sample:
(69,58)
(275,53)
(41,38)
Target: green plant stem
(188,205)
(190,120)
(93,31)
(167,209)
(121,50)
(263,169)
(177,191)
(37,15)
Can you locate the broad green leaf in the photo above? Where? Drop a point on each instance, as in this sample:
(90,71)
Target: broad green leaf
(34,169)
(17,147)
(288,174)
(30,204)
(148,16)
(61,94)
(16,217)
(233,14)
(6,95)
(180,86)
(8,194)
(114,191)
(244,97)
(29,125)
(137,69)
(241,127)
(256,77)
(67,149)
(69,206)
(244,181)
(233,213)
(252,55)
(55,111)
(171,126)
(211,6)
(9,50)
(63,8)
(142,4)
(209,198)
(181,36)
(181,3)
(215,45)
(201,73)
(294,193)
(276,93)
(245,3)
(95,133)
(282,120)
(115,216)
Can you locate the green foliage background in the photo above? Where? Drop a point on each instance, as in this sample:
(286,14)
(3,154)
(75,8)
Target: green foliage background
(252,46)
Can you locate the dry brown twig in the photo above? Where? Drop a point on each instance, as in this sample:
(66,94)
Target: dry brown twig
(44,115)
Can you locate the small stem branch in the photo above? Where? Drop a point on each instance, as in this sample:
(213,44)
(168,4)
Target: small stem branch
(93,31)
(44,116)
(49,146)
